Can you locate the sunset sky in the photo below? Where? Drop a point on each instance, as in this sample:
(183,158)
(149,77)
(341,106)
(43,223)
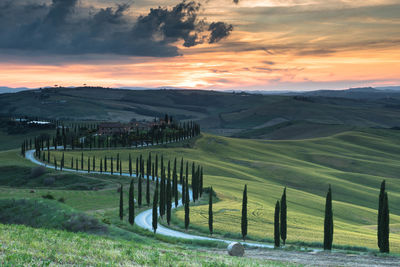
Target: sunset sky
(214,44)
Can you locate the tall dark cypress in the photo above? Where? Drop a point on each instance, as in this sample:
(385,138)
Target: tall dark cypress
(120,167)
(137,167)
(169,199)
(88,164)
(62,162)
(101,165)
(183,191)
(156,167)
(181,172)
(112,165)
(82,161)
(140,190)
(380,209)
(131,203)
(210,212)
(130,165)
(55,163)
(162,191)
(148,190)
(283,217)
(201,182)
(105,163)
(155,208)
(276,226)
(385,225)
(121,203)
(117,161)
(94,164)
(175,184)
(244,213)
(328,222)
(187,215)
(72,163)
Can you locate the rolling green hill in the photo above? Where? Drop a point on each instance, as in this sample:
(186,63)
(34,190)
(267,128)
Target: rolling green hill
(217,112)
(354,163)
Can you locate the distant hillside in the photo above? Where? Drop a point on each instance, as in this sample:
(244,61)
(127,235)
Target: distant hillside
(218,112)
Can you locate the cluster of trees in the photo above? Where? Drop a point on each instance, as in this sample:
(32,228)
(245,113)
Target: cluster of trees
(168,179)
(78,136)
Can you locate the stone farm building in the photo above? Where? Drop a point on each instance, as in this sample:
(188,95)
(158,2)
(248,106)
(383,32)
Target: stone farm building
(110,128)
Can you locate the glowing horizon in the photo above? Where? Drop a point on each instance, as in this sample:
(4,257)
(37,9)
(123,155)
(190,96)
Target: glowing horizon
(274,45)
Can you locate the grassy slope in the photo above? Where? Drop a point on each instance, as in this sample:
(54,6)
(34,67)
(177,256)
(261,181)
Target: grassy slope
(21,245)
(354,163)
(12,141)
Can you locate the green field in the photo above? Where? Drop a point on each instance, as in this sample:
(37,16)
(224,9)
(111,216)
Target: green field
(354,163)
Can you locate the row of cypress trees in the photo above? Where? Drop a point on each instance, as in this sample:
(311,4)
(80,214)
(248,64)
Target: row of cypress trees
(280,219)
(87,138)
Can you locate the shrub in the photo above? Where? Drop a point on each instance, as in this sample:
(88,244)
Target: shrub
(84,223)
(61,199)
(37,171)
(48,196)
(49,181)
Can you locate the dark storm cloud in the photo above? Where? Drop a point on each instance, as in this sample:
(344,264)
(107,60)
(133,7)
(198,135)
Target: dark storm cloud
(219,30)
(61,27)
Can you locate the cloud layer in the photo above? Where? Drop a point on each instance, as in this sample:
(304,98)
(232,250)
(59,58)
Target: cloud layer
(63,27)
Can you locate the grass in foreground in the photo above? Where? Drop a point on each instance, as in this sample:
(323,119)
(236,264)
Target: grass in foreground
(21,245)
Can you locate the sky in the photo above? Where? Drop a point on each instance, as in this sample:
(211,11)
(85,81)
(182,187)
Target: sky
(207,44)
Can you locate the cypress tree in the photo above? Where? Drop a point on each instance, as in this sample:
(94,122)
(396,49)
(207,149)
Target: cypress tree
(131,203)
(62,162)
(181,173)
(137,167)
(187,170)
(169,200)
(72,163)
(94,163)
(276,226)
(210,212)
(76,164)
(120,167)
(201,181)
(380,209)
(148,190)
(187,218)
(48,156)
(155,211)
(156,167)
(152,172)
(283,217)
(385,225)
(105,163)
(112,165)
(130,165)
(187,197)
(82,161)
(140,190)
(101,165)
(244,213)
(175,184)
(88,164)
(328,222)
(121,203)
(118,162)
(162,192)
(55,163)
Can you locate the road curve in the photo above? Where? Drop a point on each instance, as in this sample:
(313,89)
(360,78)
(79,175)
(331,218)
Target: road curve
(144,219)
